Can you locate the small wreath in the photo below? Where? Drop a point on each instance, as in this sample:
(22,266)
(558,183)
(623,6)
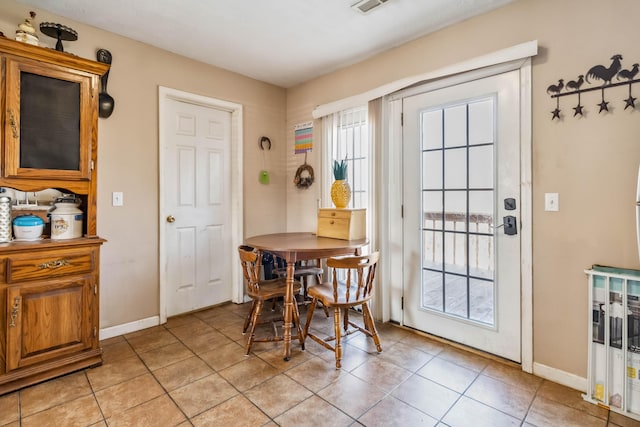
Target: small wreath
(305,181)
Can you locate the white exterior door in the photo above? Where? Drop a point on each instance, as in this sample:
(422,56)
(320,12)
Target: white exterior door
(195,175)
(461,162)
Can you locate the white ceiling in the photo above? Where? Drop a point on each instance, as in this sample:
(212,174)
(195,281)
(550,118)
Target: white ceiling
(283,42)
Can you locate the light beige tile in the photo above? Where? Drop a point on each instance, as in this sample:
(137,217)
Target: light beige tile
(154,339)
(513,376)
(208,341)
(192,329)
(448,374)
(182,373)
(469,413)
(465,359)
(166,355)
(160,411)
(547,413)
(115,372)
(315,373)
(314,412)
(248,373)
(512,400)
(202,394)
(426,395)
(229,412)
(181,320)
(277,395)
(352,395)
(79,412)
(424,344)
(128,394)
(226,321)
(53,393)
(405,356)
(9,409)
(275,358)
(393,412)
(384,375)
(224,356)
(616,419)
(146,331)
(117,350)
(570,397)
(112,340)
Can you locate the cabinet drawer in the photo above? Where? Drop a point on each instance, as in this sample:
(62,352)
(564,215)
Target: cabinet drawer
(335,213)
(345,224)
(43,265)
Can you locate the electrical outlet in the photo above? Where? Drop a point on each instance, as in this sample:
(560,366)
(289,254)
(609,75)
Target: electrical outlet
(117,198)
(551,202)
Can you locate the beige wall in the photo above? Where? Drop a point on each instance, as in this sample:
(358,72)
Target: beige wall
(128,156)
(590,161)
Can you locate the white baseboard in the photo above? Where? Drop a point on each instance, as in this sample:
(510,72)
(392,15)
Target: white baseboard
(560,377)
(127,328)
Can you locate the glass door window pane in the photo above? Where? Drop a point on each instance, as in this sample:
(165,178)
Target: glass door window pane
(458,207)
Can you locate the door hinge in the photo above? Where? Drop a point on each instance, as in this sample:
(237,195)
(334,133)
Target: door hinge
(91,165)
(95,289)
(95,331)
(401,119)
(401,211)
(401,303)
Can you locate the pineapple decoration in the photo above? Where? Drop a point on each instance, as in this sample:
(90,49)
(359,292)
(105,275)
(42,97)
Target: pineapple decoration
(340,190)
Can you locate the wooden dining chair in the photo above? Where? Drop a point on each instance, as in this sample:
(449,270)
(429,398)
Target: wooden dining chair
(303,271)
(261,291)
(351,285)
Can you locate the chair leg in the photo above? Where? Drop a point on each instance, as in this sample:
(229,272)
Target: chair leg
(370,325)
(296,319)
(247,321)
(336,327)
(310,310)
(254,322)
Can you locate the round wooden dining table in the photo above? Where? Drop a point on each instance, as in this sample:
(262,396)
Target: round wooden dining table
(294,247)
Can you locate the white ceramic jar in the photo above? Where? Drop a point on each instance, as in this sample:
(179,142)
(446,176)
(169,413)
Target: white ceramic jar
(66,221)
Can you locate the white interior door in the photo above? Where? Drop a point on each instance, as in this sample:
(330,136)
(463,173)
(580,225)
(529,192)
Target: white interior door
(461,182)
(196,186)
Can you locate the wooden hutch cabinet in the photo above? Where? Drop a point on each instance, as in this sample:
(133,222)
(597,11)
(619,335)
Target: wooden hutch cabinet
(49,288)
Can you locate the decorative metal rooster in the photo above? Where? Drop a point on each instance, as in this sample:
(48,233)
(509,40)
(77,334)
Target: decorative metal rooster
(628,74)
(603,73)
(575,84)
(556,88)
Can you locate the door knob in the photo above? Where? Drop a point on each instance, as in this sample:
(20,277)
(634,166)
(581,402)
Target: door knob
(171,218)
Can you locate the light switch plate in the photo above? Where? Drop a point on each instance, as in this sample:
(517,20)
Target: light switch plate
(551,202)
(117,198)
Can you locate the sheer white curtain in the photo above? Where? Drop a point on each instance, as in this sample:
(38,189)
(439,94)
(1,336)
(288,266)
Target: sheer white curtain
(355,135)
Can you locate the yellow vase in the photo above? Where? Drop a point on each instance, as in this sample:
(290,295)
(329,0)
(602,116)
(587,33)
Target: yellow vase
(340,193)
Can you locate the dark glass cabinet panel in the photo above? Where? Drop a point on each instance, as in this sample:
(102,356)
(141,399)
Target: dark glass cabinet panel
(49,123)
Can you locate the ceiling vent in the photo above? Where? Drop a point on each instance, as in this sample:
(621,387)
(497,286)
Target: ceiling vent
(366,6)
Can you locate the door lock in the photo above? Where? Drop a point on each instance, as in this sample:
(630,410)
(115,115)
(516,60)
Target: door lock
(510,225)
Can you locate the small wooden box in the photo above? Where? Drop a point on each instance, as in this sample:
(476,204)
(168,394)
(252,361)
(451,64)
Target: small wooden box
(345,224)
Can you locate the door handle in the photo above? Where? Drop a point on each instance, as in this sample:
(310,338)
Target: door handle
(510,224)
(171,219)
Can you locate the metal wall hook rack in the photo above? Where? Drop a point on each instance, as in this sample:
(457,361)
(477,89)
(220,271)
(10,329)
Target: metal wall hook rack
(597,72)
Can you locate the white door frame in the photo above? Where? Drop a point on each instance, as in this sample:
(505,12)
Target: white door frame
(391,264)
(164,95)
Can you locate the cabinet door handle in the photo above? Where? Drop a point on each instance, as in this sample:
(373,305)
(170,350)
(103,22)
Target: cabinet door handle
(14,312)
(14,126)
(53,264)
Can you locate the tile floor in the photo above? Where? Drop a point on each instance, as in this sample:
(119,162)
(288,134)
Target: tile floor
(193,372)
